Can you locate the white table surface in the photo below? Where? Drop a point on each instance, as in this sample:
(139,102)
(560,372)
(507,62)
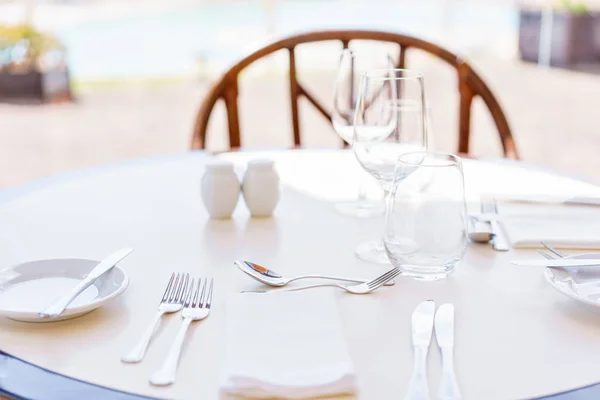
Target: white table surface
(515,336)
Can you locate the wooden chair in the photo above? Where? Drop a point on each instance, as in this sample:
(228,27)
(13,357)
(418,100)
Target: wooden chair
(469,86)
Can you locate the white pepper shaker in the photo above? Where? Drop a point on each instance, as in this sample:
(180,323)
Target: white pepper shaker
(261,187)
(220,189)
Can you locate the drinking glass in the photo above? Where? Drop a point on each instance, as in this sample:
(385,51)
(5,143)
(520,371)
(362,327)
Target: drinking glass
(346,91)
(426,229)
(389,121)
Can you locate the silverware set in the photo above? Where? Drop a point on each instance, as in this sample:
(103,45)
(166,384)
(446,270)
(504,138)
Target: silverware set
(193,297)
(495,235)
(271,278)
(424,318)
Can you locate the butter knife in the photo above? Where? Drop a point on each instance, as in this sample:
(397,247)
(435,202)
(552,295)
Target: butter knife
(444,334)
(59,306)
(559,262)
(422,328)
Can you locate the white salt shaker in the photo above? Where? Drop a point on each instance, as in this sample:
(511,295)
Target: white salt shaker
(261,187)
(220,189)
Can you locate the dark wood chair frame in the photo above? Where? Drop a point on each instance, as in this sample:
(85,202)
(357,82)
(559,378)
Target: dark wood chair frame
(469,86)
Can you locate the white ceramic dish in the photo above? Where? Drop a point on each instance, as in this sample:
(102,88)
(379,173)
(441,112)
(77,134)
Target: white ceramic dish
(28,288)
(580,284)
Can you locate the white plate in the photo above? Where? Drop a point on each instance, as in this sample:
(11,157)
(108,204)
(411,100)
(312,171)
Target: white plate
(28,288)
(580,284)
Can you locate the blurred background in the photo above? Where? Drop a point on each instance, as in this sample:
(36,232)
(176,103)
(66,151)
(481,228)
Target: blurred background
(84,82)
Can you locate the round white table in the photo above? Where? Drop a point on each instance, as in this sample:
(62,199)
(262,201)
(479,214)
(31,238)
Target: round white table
(516,337)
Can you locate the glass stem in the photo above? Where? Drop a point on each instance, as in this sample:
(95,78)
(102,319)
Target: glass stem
(387,193)
(362,193)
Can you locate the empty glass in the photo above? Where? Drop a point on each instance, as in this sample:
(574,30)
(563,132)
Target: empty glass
(426,229)
(389,122)
(346,92)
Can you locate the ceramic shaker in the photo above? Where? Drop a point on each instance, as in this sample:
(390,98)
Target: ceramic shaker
(220,189)
(261,187)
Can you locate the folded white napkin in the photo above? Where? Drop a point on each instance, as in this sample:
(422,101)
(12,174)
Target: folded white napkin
(563,226)
(286,345)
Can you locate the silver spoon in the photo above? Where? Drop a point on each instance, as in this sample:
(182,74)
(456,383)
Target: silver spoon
(272,278)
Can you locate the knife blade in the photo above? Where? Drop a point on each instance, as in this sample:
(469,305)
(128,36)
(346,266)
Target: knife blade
(109,262)
(422,329)
(581,201)
(559,262)
(422,323)
(444,325)
(444,335)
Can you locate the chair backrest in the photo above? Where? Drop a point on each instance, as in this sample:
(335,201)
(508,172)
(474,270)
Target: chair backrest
(469,86)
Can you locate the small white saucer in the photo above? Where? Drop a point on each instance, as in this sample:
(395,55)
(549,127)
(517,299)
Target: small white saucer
(581,284)
(28,288)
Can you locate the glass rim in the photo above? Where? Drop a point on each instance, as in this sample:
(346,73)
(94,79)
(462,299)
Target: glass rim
(414,74)
(452,160)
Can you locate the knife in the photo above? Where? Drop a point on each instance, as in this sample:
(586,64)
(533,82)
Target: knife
(422,327)
(59,306)
(580,201)
(444,334)
(559,262)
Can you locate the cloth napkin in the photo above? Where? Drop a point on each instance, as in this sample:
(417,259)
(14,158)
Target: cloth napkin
(563,226)
(286,345)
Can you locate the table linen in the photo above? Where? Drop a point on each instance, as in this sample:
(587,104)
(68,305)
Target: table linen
(562,226)
(288,345)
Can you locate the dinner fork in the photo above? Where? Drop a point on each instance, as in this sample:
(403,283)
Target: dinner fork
(172,301)
(490,208)
(361,288)
(196,307)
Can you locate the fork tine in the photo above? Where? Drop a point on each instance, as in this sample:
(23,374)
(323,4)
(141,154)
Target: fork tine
(181,288)
(383,278)
(545,255)
(176,285)
(391,276)
(553,250)
(184,289)
(203,295)
(168,289)
(383,281)
(196,300)
(210,290)
(188,294)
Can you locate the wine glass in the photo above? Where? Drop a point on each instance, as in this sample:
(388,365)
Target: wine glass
(346,91)
(390,120)
(426,229)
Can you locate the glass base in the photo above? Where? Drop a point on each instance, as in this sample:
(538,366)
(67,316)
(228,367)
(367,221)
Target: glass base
(423,273)
(372,251)
(360,208)
(425,277)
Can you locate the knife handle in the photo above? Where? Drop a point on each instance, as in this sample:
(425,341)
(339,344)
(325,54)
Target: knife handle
(418,388)
(448,385)
(59,306)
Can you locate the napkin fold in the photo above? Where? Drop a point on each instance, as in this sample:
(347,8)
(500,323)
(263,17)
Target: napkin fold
(286,345)
(563,226)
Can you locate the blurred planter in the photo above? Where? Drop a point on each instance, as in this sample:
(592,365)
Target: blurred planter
(32,67)
(573,37)
(34,86)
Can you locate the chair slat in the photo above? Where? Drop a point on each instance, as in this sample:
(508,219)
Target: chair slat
(294,94)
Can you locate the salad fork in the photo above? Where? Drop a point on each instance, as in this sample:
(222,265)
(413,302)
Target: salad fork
(196,308)
(362,288)
(172,301)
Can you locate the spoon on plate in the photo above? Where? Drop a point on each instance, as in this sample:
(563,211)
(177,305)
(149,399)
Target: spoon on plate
(272,278)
